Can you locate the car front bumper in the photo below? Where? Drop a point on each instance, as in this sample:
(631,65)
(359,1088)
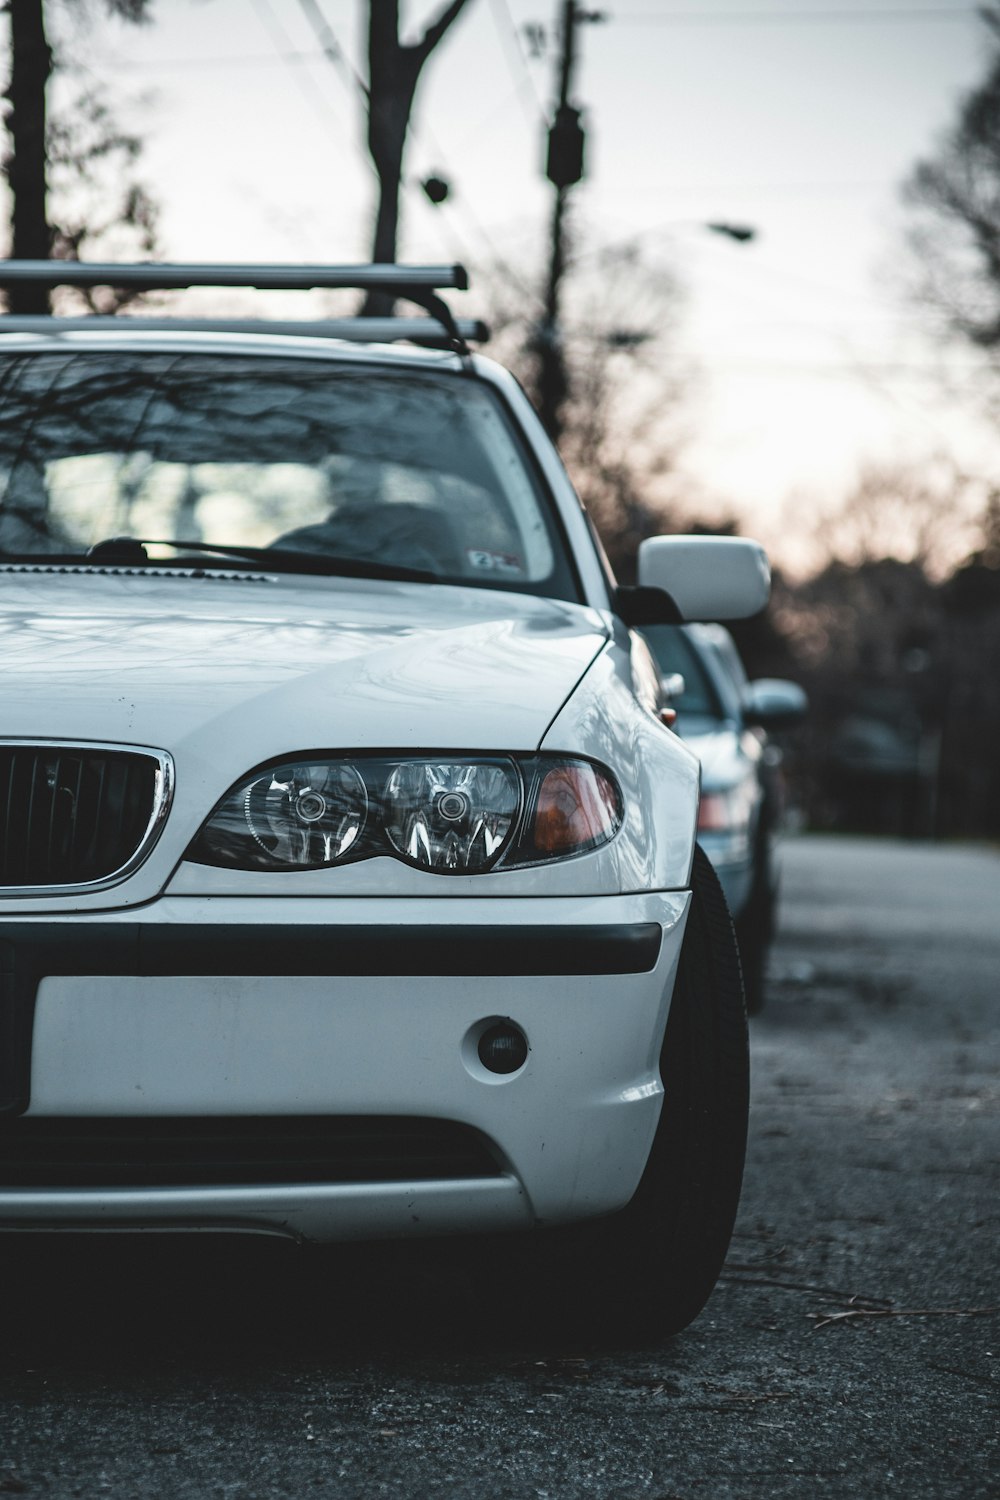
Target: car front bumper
(192,1011)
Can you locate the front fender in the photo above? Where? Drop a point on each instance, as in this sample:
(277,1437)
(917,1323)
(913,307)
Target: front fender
(658,774)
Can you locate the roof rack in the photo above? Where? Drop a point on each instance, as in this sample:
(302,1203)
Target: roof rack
(418,284)
(426,331)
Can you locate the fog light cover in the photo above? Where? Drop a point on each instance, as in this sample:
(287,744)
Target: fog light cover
(503,1048)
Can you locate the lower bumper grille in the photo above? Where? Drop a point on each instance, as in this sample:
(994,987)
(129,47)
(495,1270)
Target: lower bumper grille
(261,1151)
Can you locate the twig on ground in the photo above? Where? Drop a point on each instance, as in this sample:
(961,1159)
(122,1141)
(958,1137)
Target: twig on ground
(825,1319)
(726,1393)
(805,1286)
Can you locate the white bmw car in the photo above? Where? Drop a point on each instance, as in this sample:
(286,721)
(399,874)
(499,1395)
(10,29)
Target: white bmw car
(348,875)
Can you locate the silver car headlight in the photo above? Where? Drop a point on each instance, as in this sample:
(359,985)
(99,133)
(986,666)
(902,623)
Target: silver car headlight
(450,814)
(302,815)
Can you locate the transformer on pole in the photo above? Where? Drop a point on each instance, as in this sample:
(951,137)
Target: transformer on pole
(564,169)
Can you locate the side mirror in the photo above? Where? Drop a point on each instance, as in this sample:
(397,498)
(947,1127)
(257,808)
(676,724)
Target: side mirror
(707,577)
(773,703)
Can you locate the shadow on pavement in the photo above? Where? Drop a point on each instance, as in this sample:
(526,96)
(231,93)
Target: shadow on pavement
(144,1301)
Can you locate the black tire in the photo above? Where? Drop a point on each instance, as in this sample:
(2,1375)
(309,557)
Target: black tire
(650,1268)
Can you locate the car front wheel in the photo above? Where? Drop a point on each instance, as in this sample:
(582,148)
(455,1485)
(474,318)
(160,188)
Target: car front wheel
(651,1267)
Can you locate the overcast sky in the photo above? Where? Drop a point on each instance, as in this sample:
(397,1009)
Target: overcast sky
(800,117)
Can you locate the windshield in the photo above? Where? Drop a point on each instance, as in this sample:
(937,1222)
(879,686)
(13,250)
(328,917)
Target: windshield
(406,468)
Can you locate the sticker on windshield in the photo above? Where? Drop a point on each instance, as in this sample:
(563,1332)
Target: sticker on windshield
(494,562)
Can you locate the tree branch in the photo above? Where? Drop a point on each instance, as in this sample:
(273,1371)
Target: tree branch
(437,29)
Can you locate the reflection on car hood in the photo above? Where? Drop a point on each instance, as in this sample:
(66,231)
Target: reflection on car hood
(274,664)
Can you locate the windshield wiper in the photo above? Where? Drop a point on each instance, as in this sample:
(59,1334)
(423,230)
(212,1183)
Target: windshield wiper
(130,551)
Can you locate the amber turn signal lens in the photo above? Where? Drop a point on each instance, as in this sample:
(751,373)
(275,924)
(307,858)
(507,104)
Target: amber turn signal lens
(577,807)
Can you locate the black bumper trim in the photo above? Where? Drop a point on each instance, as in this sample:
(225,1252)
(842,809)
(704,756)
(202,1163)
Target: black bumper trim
(250,1151)
(34,950)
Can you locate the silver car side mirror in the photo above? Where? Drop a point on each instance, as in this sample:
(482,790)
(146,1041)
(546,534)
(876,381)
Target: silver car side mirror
(773,703)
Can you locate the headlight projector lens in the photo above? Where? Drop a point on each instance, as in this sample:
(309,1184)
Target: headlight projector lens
(451,816)
(304,815)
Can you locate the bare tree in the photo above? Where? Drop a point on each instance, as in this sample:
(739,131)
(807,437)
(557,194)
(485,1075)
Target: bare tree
(25,162)
(928,514)
(79,158)
(622,425)
(102,208)
(394,69)
(954,198)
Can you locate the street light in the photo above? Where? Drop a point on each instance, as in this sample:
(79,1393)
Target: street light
(742,233)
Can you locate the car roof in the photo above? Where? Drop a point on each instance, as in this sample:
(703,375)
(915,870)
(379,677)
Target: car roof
(251,340)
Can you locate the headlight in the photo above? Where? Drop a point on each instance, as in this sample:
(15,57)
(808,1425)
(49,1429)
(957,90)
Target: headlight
(573,806)
(303,815)
(449,814)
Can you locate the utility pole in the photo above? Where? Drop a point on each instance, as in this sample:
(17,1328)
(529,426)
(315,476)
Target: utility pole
(25,162)
(564,169)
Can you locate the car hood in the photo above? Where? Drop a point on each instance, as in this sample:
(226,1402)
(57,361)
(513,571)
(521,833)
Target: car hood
(239,668)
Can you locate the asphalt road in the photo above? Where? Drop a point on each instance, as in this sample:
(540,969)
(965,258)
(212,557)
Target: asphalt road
(851,1349)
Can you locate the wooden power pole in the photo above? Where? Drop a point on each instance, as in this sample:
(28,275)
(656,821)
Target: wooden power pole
(564,169)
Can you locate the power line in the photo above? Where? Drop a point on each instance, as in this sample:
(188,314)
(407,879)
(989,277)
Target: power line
(333,52)
(467,254)
(283,54)
(746,189)
(503,265)
(331,48)
(834,17)
(281,43)
(741,265)
(834,369)
(490,119)
(513,48)
(330,51)
(275,58)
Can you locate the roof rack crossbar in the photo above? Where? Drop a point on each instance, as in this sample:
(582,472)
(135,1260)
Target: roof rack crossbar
(368,330)
(150,276)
